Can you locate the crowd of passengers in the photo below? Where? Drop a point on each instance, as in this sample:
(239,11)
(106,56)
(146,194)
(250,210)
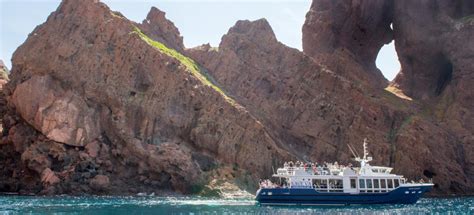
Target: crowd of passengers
(318,169)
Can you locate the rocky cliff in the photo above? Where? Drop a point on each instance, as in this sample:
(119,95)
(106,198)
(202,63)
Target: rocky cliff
(434,44)
(314,112)
(101,107)
(100,104)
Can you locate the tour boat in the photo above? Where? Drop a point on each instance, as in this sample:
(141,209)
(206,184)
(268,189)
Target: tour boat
(334,184)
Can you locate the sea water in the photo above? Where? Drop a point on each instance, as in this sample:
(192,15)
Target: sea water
(198,205)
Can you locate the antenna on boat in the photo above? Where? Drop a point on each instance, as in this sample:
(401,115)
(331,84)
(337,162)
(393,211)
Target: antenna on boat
(364,160)
(354,153)
(367,158)
(365,149)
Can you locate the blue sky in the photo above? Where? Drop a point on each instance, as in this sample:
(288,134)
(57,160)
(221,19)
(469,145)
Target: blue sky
(199,21)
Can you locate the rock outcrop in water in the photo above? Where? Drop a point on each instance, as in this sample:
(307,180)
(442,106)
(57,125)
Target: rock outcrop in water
(99,104)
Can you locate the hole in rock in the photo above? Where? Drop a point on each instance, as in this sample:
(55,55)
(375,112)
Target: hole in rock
(445,75)
(428,173)
(387,61)
(464,9)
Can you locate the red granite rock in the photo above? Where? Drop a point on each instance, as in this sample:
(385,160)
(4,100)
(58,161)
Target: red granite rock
(100,183)
(88,75)
(48,177)
(159,28)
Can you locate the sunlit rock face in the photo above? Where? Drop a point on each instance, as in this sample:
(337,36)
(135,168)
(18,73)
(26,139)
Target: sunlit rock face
(161,29)
(3,74)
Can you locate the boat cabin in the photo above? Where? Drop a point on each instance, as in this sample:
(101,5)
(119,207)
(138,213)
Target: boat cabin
(339,178)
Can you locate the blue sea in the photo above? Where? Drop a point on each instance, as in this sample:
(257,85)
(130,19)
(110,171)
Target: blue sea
(198,205)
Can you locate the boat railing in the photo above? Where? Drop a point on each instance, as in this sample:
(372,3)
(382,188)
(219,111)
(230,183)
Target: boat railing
(309,170)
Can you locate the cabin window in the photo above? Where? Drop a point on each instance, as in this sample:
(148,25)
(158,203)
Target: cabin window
(369,183)
(320,184)
(361,183)
(390,183)
(397,183)
(324,183)
(335,184)
(376,183)
(353,183)
(383,184)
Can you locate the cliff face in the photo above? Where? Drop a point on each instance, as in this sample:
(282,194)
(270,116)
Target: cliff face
(314,112)
(113,109)
(99,104)
(434,44)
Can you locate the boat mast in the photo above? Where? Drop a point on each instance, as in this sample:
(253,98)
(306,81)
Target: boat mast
(366,159)
(365,149)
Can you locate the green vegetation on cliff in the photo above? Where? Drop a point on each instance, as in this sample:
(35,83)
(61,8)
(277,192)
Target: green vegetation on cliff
(196,70)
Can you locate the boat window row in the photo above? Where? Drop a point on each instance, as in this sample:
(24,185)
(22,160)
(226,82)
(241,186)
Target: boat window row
(328,185)
(377,185)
